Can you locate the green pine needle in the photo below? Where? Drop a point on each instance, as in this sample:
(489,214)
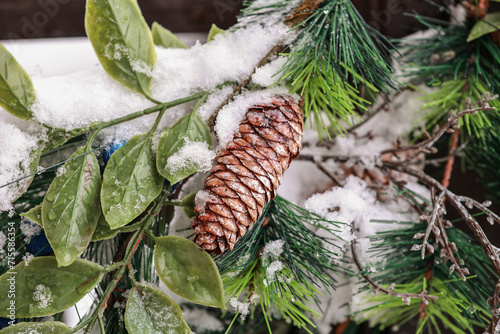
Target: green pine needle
(462,70)
(306,259)
(485,156)
(307,254)
(251,13)
(324,92)
(336,37)
(461,305)
(453,95)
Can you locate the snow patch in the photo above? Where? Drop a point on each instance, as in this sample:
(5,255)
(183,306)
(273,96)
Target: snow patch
(29,229)
(43,295)
(27,258)
(192,154)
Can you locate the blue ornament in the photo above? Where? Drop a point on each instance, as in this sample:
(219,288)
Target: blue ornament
(38,245)
(173,188)
(110,149)
(4,322)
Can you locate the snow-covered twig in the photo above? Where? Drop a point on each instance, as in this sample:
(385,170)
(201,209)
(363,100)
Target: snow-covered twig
(456,202)
(406,297)
(495,305)
(427,145)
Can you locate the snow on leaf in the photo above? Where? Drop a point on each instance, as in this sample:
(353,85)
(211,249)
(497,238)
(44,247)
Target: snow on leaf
(122,41)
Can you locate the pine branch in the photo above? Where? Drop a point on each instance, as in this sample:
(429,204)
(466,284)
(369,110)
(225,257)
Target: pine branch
(461,304)
(292,21)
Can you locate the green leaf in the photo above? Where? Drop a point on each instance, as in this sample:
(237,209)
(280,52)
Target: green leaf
(16,89)
(20,187)
(151,311)
(42,288)
(214,30)
(489,24)
(130,181)
(189,128)
(34,214)
(188,271)
(46,327)
(70,209)
(188,203)
(56,138)
(122,41)
(165,38)
(103,231)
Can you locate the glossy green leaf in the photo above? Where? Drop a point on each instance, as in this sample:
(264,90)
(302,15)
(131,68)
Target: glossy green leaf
(47,327)
(42,288)
(56,138)
(17,93)
(130,181)
(103,231)
(151,311)
(188,203)
(20,187)
(34,214)
(191,128)
(214,31)
(188,271)
(165,38)
(71,208)
(489,24)
(122,41)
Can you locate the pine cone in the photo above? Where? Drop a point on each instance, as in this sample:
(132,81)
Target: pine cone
(247,173)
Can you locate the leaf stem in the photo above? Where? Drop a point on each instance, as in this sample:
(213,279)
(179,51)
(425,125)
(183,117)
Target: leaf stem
(131,248)
(129,117)
(151,235)
(88,147)
(101,323)
(175,203)
(115,266)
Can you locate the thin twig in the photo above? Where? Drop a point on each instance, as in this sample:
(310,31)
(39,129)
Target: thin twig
(404,296)
(495,313)
(426,146)
(456,202)
(432,222)
(330,176)
(451,159)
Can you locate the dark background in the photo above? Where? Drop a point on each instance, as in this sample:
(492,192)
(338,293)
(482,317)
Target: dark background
(64,18)
(20,19)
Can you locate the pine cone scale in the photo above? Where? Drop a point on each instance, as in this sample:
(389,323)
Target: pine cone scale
(247,173)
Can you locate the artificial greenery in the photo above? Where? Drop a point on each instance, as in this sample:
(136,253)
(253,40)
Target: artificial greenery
(461,70)
(107,222)
(304,263)
(461,305)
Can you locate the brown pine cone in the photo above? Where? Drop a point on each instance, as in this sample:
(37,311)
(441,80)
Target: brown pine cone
(247,173)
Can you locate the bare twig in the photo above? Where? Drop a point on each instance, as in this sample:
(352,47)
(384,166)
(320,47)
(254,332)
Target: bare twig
(431,224)
(330,176)
(471,203)
(495,305)
(406,297)
(427,145)
(456,202)
(451,159)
